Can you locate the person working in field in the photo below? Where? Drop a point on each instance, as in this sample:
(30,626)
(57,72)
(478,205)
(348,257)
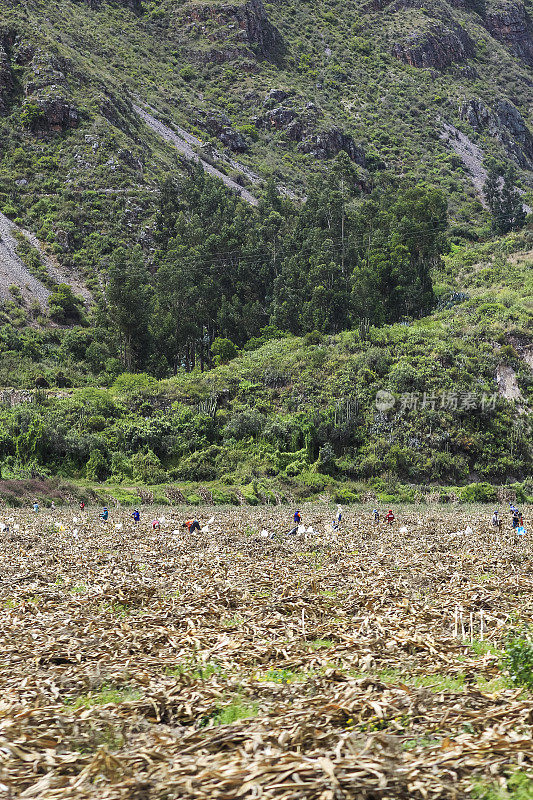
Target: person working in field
(375,515)
(104,516)
(297,519)
(136,516)
(191,525)
(516,518)
(389,517)
(496,521)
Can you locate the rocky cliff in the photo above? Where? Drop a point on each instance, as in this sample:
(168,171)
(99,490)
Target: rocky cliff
(506,124)
(241,28)
(438,46)
(304,128)
(287,86)
(509,23)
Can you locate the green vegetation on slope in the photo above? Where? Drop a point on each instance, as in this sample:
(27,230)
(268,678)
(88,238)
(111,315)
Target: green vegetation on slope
(184,275)
(302,411)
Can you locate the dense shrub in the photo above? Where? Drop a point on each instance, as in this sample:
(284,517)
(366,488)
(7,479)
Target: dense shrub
(147,468)
(96,468)
(478,493)
(519,659)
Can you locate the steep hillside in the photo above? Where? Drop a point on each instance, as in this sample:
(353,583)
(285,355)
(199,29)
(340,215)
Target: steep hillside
(185,184)
(274,89)
(398,410)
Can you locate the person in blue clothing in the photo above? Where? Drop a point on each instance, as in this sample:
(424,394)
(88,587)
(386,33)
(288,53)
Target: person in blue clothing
(104,516)
(296,520)
(136,516)
(516,517)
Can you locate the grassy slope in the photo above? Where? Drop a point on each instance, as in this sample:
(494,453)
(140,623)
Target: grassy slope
(282,404)
(79,182)
(457,349)
(98,183)
(334,54)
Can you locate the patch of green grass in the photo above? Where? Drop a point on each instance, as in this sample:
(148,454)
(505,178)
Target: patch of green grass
(487,576)
(319,644)
(230,622)
(519,787)
(443,683)
(436,683)
(497,684)
(119,609)
(105,696)
(481,648)
(420,741)
(194,670)
(282,676)
(239,709)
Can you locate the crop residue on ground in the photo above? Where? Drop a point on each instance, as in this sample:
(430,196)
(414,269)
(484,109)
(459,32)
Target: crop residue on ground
(367,663)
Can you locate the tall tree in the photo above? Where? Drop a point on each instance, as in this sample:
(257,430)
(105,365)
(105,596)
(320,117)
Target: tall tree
(512,210)
(129,304)
(504,200)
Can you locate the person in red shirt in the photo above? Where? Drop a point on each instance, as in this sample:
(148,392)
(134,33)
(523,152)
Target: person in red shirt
(390,517)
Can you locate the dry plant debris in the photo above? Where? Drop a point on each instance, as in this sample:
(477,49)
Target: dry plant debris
(224,664)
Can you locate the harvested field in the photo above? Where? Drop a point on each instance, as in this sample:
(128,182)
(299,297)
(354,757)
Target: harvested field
(364,664)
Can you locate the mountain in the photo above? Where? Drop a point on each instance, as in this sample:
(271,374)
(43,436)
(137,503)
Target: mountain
(404,88)
(186,184)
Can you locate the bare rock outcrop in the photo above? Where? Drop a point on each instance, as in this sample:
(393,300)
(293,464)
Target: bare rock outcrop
(275,96)
(438,47)
(509,23)
(260,32)
(235,24)
(220,126)
(48,105)
(330,143)
(7,80)
(56,113)
(302,128)
(277,119)
(505,123)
